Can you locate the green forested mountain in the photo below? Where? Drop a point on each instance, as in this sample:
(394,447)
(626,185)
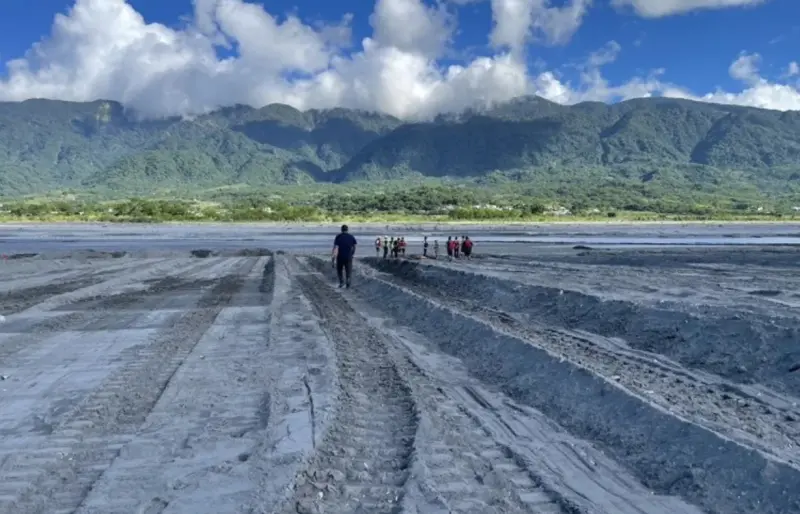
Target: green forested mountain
(538,134)
(50,145)
(46,145)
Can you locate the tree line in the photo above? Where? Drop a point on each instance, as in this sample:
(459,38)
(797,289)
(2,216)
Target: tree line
(458,203)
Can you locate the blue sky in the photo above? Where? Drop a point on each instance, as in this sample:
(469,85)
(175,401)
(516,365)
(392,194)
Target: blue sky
(695,48)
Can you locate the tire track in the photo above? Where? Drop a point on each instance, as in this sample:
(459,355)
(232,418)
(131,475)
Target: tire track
(129,279)
(462,468)
(83,447)
(20,299)
(46,272)
(713,403)
(740,347)
(668,453)
(51,371)
(212,416)
(300,364)
(101,311)
(683,288)
(476,454)
(363,461)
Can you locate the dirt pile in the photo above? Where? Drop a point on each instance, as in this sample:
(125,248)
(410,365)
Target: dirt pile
(741,347)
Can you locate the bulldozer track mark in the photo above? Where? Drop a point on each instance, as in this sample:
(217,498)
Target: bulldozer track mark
(724,408)
(18,300)
(461,468)
(571,384)
(465,469)
(98,315)
(213,415)
(363,461)
(86,443)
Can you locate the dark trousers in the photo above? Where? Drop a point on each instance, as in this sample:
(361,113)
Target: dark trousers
(344,266)
(385,251)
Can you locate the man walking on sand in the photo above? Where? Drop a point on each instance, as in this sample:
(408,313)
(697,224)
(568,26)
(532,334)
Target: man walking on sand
(344,248)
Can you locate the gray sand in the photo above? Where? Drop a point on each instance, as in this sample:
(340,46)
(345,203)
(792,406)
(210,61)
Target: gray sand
(548,380)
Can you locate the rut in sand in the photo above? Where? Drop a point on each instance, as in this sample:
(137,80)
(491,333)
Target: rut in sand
(363,461)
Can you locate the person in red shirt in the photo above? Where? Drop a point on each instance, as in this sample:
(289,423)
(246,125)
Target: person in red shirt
(467,244)
(456,248)
(449,245)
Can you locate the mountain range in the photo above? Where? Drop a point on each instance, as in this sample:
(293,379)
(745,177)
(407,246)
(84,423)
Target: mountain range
(48,145)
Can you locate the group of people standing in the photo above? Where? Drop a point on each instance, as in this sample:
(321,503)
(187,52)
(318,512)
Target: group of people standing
(344,249)
(396,246)
(456,249)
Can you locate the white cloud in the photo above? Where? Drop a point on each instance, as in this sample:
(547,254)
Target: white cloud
(758,92)
(659,8)
(518,21)
(794,69)
(410,26)
(105,49)
(605,55)
(745,68)
(593,86)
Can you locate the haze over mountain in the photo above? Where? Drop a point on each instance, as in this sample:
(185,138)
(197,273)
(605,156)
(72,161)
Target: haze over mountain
(50,145)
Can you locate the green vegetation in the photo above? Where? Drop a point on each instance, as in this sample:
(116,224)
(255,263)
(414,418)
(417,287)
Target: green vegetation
(523,160)
(393,203)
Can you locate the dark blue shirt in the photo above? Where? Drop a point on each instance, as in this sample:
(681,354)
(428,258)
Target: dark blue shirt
(347,245)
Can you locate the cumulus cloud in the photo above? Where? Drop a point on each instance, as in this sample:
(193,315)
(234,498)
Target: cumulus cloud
(745,68)
(758,91)
(659,8)
(106,49)
(592,86)
(518,21)
(412,27)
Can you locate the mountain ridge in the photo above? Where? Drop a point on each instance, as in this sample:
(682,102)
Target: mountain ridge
(48,145)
